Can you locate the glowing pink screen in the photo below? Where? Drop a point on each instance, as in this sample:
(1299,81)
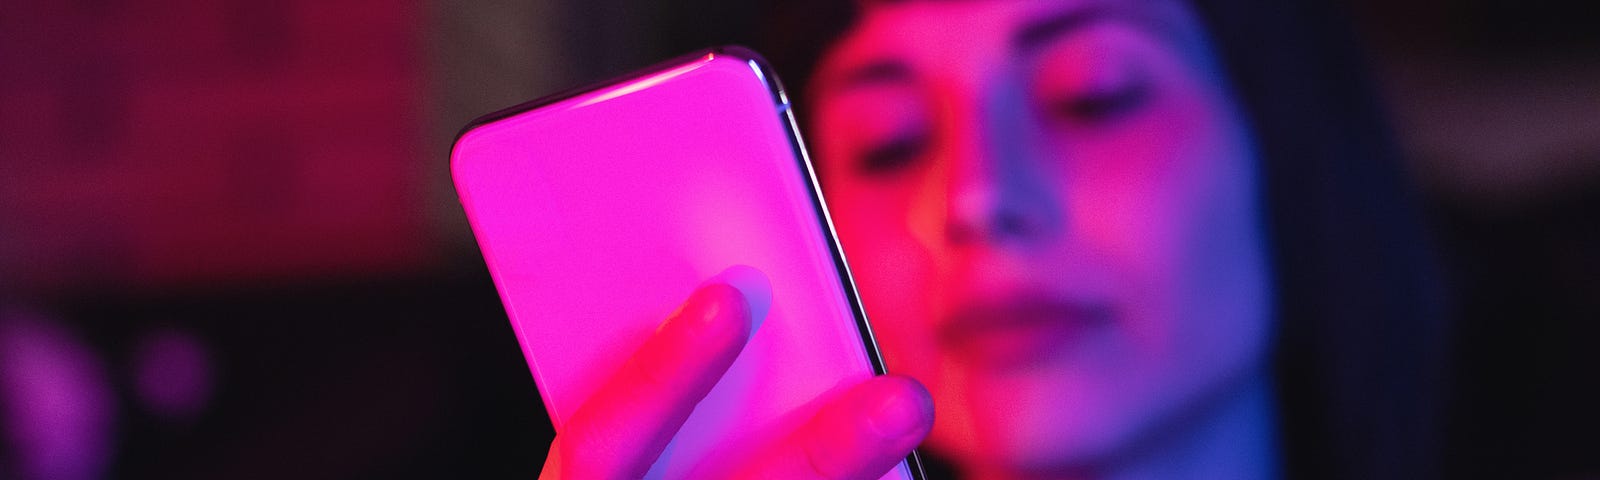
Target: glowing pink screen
(600,213)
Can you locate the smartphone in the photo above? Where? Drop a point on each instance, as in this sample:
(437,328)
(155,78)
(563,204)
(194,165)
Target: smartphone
(599,210)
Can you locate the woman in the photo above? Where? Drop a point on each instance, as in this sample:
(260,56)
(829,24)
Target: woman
(1113,239)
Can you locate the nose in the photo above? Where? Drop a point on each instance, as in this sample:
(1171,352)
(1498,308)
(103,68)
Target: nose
(984,209)
(997,191)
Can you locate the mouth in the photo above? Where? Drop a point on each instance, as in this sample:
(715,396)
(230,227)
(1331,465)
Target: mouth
(1022,332)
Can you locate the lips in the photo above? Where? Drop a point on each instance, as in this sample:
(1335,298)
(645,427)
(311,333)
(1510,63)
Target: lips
(1022,331)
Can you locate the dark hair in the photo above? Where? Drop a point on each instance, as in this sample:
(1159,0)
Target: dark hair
(1359,336)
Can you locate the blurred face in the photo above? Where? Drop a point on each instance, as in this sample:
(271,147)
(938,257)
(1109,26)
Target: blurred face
(1049,206)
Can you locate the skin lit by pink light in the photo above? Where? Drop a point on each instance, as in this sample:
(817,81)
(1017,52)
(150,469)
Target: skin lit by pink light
(1049,206)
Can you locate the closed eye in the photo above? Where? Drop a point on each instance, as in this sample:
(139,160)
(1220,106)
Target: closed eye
(895,154)
(1103,106)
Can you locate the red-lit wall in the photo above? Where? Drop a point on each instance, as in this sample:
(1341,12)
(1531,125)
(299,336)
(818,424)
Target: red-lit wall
(154,144)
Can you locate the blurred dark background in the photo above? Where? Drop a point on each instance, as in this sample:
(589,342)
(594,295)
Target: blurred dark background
(229,247)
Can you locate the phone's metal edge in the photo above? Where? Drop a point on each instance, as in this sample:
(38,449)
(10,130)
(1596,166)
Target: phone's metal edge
(786,114)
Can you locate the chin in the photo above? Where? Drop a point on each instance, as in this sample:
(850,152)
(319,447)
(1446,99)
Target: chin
(1050,420)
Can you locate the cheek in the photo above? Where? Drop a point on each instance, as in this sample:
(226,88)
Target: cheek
(1221,269)
(1169,199)
(893,272)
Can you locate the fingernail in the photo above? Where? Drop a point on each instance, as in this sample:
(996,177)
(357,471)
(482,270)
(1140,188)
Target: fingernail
(755,286)
(901,412)
(711,311)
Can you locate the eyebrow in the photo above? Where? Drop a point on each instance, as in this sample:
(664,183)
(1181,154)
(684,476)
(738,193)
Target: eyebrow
(871,72)
(1038,33)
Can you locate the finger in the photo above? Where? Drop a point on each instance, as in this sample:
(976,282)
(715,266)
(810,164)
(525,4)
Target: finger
(860,435)
(624,426)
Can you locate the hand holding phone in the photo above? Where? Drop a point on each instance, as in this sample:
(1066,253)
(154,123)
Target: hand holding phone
(598,211)
(622,430)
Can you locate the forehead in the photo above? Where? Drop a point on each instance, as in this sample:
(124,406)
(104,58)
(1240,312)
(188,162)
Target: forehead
(939,31)
(974,36)
(907,23)
(949,28)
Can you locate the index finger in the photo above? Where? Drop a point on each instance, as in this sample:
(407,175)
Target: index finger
(624,426)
